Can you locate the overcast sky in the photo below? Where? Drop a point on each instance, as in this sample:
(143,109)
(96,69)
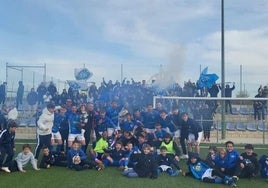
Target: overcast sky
(141,35)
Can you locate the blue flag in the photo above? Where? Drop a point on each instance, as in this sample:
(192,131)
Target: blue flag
(206,80)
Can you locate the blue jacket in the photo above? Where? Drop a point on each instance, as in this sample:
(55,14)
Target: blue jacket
(7,139)
(232,159)
(221,162)
(71,153)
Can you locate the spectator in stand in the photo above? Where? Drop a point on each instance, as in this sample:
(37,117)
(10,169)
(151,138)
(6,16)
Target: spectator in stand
(47,98)
(228,94)
(32,99)
(75,97)
(20,93)
(213,91)
(3,93)
(56,98)
(63,97)
(207,121)
(41,91)
(51,88)
(259,106)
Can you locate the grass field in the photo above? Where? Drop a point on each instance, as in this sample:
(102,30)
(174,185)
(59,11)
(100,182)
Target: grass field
(59,177)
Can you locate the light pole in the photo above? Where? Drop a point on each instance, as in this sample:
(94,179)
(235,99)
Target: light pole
(223,132)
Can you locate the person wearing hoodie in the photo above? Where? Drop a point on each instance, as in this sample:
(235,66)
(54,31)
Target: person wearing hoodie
(44,128)
(248,165)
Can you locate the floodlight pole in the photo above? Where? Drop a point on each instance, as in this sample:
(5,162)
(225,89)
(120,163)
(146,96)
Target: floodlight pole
(223,125)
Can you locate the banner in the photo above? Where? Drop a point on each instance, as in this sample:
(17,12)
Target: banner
(78,85)
(82,74)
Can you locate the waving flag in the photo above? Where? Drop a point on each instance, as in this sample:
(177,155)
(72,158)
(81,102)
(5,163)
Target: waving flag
(206,80)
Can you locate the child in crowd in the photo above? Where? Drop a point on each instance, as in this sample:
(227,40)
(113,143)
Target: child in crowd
(7,145)
(232,159)
(172,148)
(145,166)
(114,157)
(101,144)
(23,159)
(221,160)
(129,150)
(248,165)
(201,171)
(77,159)
(264,166)
(210,159)
(159,133)
(52,158)
(166,163)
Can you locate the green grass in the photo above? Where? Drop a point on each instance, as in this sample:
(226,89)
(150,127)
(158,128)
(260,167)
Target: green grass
(59,177)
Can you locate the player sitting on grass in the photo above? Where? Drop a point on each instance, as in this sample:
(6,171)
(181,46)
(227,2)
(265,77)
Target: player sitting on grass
(145,164)
(77,159)
(201,171)
(248,165)
(23,159)
(52,158)
(264,166)
(114,156)
(166,162)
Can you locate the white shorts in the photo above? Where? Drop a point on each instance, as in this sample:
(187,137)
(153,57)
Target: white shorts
(149,130)
(164,168)
(208,174)
(79,137)
(56,136)
(191,137)
(167,130)
(110,131)
(177,133)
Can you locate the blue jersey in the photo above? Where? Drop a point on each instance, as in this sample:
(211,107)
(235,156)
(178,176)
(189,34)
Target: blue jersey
(103,124)
(58,119)
(127,126)
(198,169)
(74,122)
(113,113)
(149,119)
